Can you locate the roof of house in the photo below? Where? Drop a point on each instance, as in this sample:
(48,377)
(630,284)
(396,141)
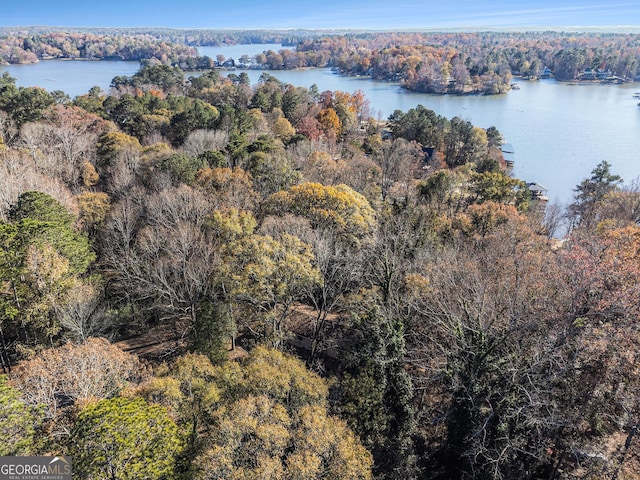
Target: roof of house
(536,187)
(507,148)
(509,157)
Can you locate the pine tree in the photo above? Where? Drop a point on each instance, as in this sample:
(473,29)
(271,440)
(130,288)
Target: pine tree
(376,392)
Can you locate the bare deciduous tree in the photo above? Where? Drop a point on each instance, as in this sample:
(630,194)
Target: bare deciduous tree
(18,174)
(74,374)
(164,261)
(200,141)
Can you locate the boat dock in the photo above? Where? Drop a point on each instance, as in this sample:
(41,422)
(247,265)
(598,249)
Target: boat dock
(508,153)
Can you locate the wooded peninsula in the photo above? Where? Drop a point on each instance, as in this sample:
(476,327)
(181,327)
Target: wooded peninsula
(201,278)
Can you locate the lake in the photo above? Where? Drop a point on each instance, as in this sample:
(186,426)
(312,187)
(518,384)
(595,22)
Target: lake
(560,131)
(74,77)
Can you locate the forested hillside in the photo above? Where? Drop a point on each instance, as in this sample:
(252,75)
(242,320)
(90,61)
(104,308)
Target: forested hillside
(203,278)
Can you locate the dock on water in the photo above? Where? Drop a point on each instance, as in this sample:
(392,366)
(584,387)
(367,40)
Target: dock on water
(509,155)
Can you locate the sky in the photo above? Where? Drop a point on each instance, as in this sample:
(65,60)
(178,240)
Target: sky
(322,14)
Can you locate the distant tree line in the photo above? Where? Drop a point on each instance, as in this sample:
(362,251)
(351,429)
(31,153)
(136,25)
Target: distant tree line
(457,63)
(191,37)
(90,46)
(478,62)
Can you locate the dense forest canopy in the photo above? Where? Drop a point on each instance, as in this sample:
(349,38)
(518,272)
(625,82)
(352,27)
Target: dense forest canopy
(205,278)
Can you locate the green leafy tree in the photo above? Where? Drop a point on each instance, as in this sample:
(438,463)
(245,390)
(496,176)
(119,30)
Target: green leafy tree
(268,94)
(39,218)
(213,159)
(124,438)
(205,81)
(212,329)
(92,101)
(376,392)
(197,115)
(437,189)
(500,188)
(166,77)
(590,194)
(42,256)
(41,207)
(18,422)
(494,137)
(296,102)
(459,145)
(182,168)
(24,104)
(419,124)
(271,172)
(236,148)
(126,112)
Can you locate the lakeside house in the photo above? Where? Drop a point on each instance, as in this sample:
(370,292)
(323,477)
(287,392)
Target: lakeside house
(599,74)
(546,73)
(538,192)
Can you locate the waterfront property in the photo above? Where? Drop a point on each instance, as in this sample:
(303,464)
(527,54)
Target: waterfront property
(538,192)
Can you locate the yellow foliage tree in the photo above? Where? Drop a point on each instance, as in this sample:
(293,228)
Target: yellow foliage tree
(187,388)
(283,129)
(112,143)
(264,277)
(230,225)
(337,208)
(47,278)
(283,379)
(88,174)
(330,123)
(275,426)
(94,207)
(231,188)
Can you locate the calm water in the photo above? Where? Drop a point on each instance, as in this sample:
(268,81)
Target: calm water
(74,77)
(560,131)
